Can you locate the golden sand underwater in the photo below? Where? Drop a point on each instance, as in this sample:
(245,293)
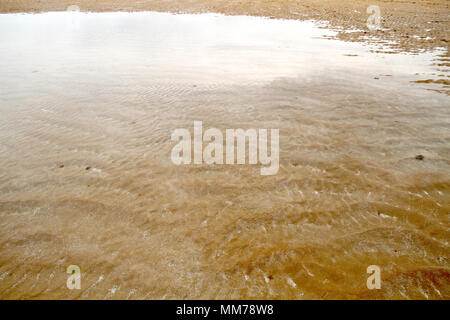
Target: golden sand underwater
(88,103)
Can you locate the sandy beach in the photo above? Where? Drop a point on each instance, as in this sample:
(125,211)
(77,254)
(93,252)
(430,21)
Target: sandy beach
(89,103)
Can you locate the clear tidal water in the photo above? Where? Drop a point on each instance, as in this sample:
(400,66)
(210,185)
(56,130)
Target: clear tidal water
(88,102)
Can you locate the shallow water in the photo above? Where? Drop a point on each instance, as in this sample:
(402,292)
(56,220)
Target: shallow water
(88,103)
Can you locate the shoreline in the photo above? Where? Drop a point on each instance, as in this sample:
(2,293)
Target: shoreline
(410,26)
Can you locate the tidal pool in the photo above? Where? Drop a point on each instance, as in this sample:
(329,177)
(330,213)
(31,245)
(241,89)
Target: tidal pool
(88,102)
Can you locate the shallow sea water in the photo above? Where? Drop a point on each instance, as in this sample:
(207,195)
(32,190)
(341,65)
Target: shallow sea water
(88,102)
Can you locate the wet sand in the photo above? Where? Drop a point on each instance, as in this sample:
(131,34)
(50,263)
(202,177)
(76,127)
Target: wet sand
(414,25)
(86,176)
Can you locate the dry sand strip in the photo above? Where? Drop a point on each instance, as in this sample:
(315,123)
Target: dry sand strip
(414,25)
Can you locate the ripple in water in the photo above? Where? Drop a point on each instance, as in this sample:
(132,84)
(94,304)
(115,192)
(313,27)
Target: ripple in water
(89,101)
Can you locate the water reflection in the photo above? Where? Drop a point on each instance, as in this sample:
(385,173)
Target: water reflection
(166,47)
